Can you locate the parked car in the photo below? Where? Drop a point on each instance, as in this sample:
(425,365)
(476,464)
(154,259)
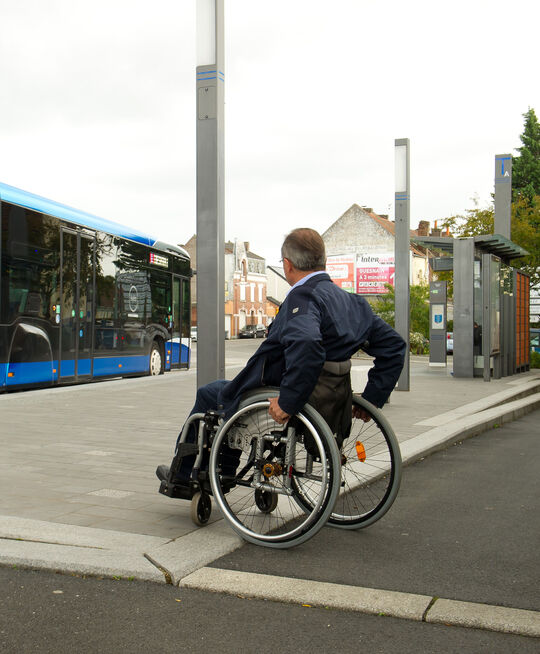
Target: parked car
(252,331)
(535,339)
(194,334)
(449,342)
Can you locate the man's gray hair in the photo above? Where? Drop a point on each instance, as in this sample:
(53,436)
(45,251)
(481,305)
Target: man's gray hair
(304,248)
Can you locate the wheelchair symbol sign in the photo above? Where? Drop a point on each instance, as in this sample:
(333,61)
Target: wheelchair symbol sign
(437,316)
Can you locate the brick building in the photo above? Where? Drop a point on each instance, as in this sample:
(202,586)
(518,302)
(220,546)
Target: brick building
(245,290)
(245,286)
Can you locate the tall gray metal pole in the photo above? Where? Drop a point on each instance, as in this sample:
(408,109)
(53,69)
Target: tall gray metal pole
(463,359)
(402,251)
(210,193)
(503,194)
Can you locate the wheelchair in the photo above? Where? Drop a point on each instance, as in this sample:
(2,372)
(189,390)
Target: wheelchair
(278,485)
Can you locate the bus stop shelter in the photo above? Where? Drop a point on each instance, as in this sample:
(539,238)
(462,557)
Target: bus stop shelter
(491,303)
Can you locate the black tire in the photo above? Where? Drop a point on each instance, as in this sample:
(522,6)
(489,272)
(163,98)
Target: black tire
(201,508)
(251,440)
(156,360)
(370,473)
(265,501)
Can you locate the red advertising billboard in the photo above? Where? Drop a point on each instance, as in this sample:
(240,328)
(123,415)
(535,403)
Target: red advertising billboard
(373,271)
(341,270)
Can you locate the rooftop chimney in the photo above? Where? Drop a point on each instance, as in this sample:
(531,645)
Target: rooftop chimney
(423,228)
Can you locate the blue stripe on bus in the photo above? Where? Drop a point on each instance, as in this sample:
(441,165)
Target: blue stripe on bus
(36,372)
(121,365)
(67,368)
(179,352)
(28,373)
(51,208)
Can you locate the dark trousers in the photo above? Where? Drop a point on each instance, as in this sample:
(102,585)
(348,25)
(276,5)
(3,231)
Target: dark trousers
(206,400)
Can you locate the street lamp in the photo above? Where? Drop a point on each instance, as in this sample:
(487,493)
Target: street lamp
(402,251)
(210,192)
(206,32)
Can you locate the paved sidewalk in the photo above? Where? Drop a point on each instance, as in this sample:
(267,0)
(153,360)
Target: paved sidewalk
(77,486)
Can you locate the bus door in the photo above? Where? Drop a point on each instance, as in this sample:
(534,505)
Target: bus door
(77,305)
(180,322)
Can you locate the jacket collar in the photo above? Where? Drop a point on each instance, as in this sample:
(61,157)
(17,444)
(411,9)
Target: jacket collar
(313,281)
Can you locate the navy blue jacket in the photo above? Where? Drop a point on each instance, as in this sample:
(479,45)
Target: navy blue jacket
(319,322)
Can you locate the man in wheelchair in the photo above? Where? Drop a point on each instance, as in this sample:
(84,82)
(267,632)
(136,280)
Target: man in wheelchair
(307,353)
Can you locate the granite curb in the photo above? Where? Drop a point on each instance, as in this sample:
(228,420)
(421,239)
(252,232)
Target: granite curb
(366,600)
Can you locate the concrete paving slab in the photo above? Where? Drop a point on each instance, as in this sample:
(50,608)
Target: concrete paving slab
(79,560)
(14,528)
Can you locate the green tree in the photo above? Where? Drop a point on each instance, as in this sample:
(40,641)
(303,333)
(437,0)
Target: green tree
(419,308)
(475,222)
(526,166)
(525,231)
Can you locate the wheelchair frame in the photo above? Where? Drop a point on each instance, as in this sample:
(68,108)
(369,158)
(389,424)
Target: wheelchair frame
(289,480)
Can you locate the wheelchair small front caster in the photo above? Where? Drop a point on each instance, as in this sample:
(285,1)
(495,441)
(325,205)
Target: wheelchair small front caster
(266,502)
(201,508)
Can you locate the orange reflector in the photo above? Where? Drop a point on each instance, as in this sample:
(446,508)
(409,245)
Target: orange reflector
(54,369)
(360,451)
(119,365)
(11,374)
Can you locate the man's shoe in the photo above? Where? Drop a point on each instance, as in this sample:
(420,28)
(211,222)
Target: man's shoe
(163,472)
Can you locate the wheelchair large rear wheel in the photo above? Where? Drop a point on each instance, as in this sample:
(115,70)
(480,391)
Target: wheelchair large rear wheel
(370,471)
(252,454)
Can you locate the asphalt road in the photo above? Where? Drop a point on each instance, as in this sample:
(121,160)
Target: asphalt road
(464,526)
(44,613)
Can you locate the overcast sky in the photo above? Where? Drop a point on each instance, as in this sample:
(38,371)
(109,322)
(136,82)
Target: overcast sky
(97,107)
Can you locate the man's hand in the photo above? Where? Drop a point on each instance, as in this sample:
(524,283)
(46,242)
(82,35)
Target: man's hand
(359,413)
(276,412)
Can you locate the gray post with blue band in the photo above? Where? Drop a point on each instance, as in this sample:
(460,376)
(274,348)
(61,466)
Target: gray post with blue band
(503,194)
(402,251)
(210,192)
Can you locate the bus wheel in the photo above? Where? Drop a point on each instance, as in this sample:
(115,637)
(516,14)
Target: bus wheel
(156,360)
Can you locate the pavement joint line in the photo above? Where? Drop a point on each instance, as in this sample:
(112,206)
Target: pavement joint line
(166,573)
(428,607)
(411,606)
(49,542)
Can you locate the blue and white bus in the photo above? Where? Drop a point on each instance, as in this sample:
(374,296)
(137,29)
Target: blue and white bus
(84,298)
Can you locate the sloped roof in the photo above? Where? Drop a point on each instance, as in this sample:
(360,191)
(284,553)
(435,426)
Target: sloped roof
(278,270)
(383,222)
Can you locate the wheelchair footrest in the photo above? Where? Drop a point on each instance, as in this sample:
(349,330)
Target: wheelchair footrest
(180,491)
